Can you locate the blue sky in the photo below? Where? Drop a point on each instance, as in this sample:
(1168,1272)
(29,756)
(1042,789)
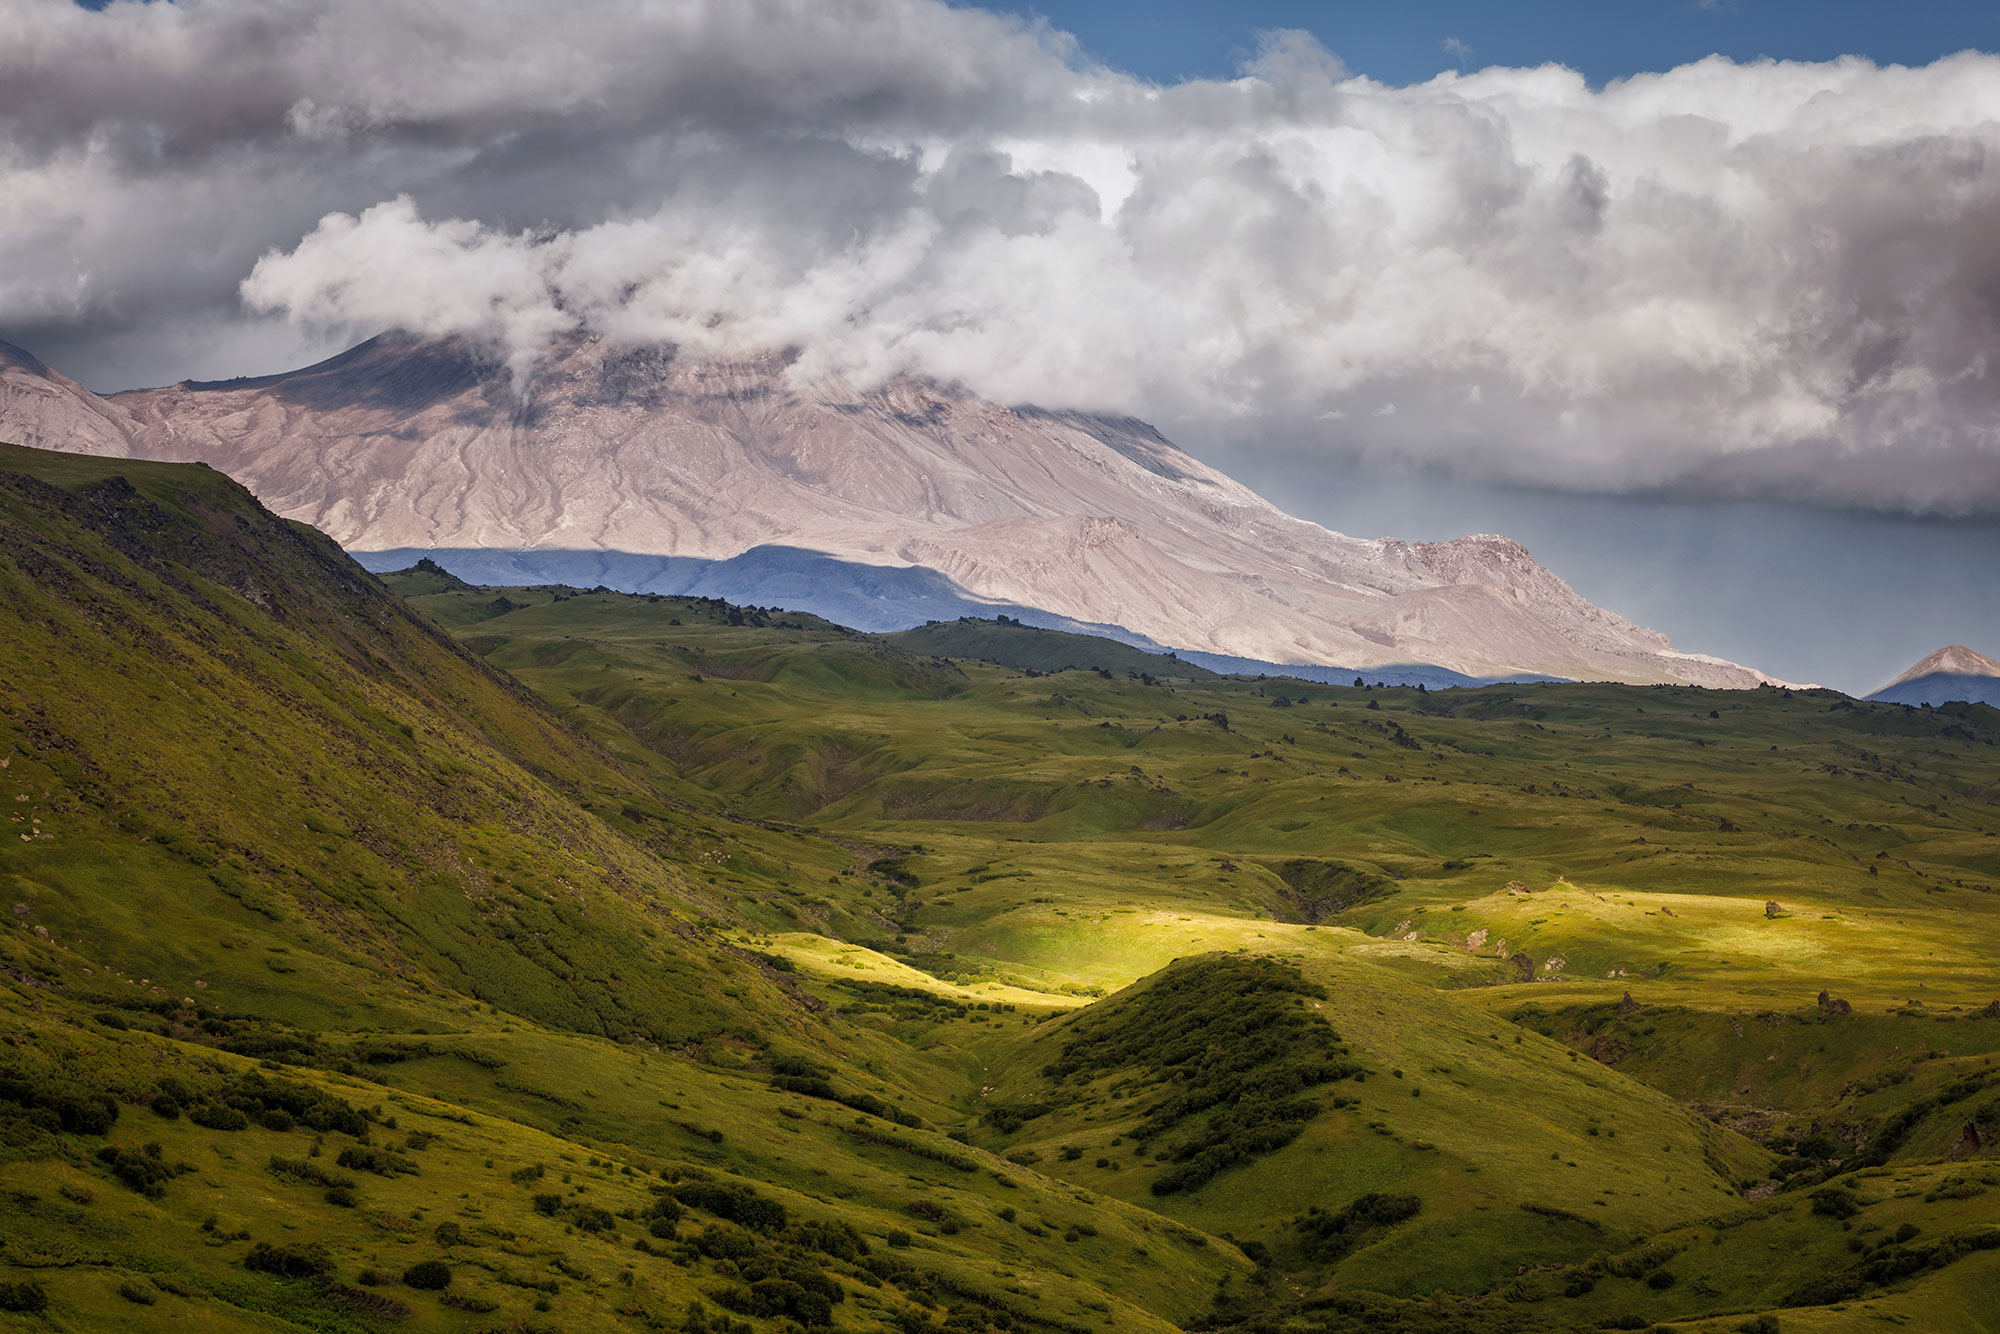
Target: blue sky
(1168,40)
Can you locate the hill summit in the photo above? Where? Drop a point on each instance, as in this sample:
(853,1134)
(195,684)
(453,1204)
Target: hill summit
(1954,672)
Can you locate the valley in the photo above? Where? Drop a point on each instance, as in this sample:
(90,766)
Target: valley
(658,962)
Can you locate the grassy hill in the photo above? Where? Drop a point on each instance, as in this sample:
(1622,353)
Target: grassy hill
(1008,643)
(1513,861)
(652,963)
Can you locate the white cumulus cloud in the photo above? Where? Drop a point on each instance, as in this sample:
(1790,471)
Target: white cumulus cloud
(1769,279)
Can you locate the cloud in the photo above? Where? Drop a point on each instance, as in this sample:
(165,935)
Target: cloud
(1770,280)
(1459,50)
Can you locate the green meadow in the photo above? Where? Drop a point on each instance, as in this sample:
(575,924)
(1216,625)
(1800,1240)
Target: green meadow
(402,954)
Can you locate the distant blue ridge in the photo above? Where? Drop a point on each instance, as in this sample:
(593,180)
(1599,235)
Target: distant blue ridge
(876,599)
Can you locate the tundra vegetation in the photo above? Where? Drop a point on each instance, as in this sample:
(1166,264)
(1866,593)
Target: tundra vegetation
(398,953)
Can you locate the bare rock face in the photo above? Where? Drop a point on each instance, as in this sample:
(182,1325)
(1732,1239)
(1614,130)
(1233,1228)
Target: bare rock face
(408,445)
(44,410)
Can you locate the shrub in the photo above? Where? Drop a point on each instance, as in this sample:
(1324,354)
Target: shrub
(1835,1202)
(550,1205)
(725,1243)
(736,1203)
(836,1239)
(215,1116)
(137,1294)
(1328,1236)
(304,1169)
(26,1298)
(780,1297)
(77,1111)
(379,1161)
(429,1275)
(140,1171)
(1661,1279)
(592,1219)
(306,1259)
(448,1234)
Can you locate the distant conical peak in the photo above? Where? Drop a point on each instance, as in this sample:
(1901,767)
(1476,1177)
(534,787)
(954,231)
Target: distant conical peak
(1954,659)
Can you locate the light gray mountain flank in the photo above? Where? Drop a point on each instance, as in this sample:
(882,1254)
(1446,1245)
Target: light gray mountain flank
(635,459)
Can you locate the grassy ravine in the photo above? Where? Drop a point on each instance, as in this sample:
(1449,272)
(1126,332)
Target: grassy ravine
(657,964)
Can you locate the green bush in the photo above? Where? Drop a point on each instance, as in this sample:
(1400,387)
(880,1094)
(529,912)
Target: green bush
(216,1116)
(136,1293)
(78,1111)
(429,1275)
(734,1202)
(304,1259)
(140,1170)
(1326,1237)
(26,1298)
(835,1239)
(379,1161)
(592,1219)
(725,1243)
(305,1169)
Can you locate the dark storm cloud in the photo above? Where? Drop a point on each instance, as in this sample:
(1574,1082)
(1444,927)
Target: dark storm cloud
(1766,280)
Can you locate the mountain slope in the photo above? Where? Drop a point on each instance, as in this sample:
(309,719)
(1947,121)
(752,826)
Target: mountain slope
(646,471)
(289,861)
(1954,672)
(339,967)
(212,715)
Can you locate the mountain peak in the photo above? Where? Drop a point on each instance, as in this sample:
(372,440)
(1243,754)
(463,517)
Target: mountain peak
(1954,672)
(1954,658)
